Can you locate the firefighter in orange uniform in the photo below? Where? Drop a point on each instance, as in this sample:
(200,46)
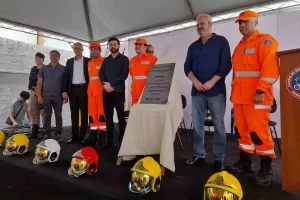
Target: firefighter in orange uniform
(255,70)
(139,67)
(95,93)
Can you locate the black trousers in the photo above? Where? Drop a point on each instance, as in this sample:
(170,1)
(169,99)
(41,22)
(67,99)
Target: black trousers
(110,101)
(79,101)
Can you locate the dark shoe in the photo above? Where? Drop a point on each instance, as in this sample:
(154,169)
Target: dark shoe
(72,141)
(109,145)
(59,136)
(91,139)
(34,131)
(195,160)
(101,140)
(243,165)
(218,166)
(265,175)
(45,137)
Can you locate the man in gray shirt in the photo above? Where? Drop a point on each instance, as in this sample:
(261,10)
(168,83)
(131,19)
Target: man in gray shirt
(49,90)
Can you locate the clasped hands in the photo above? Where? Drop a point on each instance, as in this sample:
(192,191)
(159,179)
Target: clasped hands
(108,87)
(203,87)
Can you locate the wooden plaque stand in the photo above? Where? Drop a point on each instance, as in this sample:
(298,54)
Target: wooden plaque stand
(290,121)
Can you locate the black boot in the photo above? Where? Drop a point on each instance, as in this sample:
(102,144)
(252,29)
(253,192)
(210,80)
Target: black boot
(34,131)
(265,175)
(243,165)
(102,140)
(91,139)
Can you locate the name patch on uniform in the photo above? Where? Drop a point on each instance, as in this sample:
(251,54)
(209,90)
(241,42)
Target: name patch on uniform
(145,62)
(98,67)
(249,50)
(268,42)
(131,64)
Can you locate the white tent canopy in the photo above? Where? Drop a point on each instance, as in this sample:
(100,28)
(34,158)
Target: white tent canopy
(91,20)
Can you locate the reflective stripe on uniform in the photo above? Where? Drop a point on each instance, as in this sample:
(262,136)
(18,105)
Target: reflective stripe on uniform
(139,77)
(257,106)
(268,152)
(101,127)
(247,74)
(145,62)
(89,68)
(247,147)
(270,80)
(98,67)
(94,77)
(94,127)
(249,51)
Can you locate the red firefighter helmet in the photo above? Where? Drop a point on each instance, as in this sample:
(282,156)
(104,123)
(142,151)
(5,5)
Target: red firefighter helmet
(84,161)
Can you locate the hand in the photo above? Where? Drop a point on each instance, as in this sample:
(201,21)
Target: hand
(40,99)
(258,98)
(108,87)
(15,124)
(65,95)
(198,85)
(208,85)
(65,100)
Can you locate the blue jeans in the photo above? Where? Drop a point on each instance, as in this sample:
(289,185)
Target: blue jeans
(216,106)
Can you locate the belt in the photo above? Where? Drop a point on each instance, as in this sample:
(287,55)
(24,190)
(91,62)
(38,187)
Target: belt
(79,85)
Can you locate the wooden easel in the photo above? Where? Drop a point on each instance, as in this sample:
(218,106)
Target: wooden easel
(119,160)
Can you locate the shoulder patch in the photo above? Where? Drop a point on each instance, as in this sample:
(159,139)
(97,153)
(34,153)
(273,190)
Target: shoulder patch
(267,42)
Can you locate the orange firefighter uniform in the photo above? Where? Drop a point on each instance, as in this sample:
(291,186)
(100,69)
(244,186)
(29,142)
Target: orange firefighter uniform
(255,70)
(139,67)
(95,92)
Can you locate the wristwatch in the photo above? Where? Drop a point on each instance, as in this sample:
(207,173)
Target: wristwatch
(259,92)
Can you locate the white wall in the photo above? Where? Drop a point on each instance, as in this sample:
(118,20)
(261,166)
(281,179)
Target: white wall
(282,26)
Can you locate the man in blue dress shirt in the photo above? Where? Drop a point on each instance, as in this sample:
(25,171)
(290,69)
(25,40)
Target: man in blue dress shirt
(207,64)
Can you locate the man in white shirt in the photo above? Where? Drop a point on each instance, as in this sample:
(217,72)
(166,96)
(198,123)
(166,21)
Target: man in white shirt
(75,89)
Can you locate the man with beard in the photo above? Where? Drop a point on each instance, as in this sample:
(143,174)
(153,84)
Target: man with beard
(207,64)
(113,73)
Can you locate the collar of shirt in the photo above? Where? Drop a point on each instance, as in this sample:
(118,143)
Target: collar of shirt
(80,59)
(252,37)
(114,57)
(99,59)
(51,65)
(211,38)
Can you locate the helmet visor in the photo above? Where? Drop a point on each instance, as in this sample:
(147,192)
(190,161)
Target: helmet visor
(212,193)
(10,146)
(140,183)
(78,166)
(41,155)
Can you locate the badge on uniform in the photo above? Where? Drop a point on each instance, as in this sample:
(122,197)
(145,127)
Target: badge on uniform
(268,42)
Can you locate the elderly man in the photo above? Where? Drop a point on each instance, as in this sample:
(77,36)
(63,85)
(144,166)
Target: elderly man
(255,70)
(207,64)
(76,80)
(49,89)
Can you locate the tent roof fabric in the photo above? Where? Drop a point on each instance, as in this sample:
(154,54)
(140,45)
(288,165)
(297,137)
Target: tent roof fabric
(91,20)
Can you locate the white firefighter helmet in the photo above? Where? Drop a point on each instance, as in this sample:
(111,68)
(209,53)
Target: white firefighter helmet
(46,151)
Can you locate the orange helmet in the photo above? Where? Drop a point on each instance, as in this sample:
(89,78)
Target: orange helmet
(95,44)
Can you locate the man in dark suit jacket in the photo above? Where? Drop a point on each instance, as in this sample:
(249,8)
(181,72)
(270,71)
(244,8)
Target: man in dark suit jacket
(76,81)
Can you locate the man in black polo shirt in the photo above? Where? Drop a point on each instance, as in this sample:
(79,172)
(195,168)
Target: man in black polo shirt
(113,73)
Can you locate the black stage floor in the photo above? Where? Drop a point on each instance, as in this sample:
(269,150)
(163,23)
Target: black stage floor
(21,180)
